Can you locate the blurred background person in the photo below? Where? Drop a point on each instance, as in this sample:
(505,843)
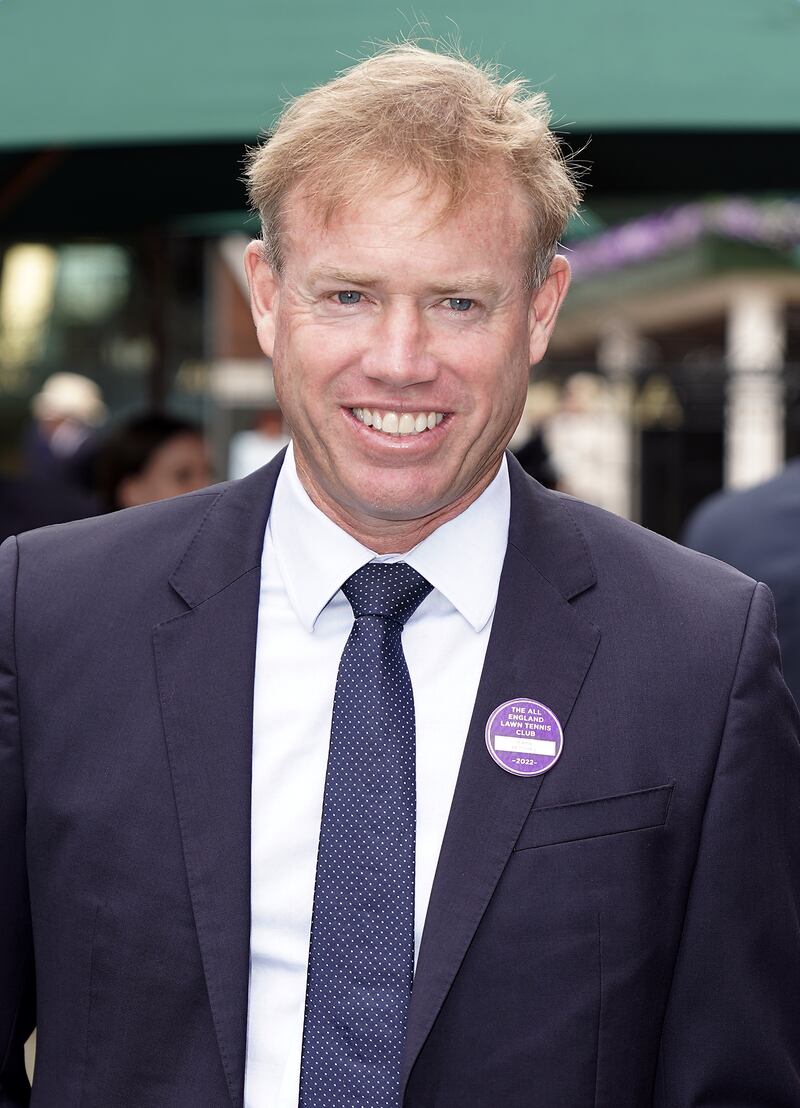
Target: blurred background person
(757,530)
(529,444)
(534,457)
(54,481)
(67,413)
(150,457)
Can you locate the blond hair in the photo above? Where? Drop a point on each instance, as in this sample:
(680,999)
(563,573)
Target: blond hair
(449,123)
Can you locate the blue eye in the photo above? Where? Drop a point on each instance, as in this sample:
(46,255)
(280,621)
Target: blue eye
(460,303)
(349,297)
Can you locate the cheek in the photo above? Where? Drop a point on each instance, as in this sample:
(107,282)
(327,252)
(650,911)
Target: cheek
(301,387)
(314,367)
(302,356)
(497,383)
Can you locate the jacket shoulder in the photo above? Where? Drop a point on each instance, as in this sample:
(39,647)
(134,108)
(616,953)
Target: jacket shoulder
(118,563)
(642,565)
(148,535)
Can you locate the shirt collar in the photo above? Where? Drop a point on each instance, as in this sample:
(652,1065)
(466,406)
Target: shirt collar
(315,556)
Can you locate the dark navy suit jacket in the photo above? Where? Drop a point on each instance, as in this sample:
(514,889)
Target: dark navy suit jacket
(757,530)
(620,932)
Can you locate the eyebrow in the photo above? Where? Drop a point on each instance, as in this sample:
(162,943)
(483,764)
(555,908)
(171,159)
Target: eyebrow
(474,282)
(329,273)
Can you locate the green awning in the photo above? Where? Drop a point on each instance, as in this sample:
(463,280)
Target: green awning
(692,265)
(108,71)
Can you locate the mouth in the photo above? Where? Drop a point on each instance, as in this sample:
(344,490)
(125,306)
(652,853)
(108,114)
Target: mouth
(389,422)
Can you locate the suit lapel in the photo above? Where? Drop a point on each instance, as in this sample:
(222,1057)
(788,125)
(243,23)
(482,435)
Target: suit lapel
(540,648)
(205,660)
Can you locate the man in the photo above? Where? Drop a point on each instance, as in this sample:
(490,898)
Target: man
(385,775)
(757,530)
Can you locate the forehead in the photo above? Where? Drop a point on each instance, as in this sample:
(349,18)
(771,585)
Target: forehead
(404,222)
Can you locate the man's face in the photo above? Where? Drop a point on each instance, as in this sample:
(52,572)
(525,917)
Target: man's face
(387,316)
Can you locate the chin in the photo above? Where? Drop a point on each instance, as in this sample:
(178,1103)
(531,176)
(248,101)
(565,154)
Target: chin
(395,502)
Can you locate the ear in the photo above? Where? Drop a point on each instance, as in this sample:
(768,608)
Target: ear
(264,291)
(546,302)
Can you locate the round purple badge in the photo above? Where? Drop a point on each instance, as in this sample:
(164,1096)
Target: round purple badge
(524,737)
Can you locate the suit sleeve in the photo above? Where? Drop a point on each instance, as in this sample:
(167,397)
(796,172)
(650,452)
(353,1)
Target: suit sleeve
(731,1034)
(16,950)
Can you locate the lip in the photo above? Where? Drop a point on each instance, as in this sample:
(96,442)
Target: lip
(377,440)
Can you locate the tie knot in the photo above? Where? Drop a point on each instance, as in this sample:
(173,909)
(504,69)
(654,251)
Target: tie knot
(393,590)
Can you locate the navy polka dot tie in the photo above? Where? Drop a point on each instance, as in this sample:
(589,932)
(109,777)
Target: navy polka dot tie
(361,961)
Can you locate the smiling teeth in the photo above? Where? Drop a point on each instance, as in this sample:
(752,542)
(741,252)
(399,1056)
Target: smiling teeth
(394,423)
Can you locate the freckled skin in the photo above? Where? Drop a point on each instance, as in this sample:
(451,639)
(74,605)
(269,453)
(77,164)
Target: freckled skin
(370,312)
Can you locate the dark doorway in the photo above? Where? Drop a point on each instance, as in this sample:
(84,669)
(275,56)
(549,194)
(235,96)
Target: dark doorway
(678,469)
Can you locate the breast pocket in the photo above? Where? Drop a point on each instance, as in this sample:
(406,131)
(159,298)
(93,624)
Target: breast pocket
(590,819)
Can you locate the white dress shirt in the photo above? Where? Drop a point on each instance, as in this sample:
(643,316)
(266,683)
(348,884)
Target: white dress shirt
(304,620)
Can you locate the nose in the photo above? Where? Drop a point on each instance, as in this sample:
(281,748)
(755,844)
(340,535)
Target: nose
(399,353)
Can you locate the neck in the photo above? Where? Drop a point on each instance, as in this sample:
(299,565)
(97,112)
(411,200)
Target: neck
(391,536)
